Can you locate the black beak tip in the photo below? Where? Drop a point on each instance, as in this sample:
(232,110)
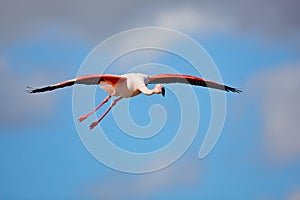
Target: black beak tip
(163,91)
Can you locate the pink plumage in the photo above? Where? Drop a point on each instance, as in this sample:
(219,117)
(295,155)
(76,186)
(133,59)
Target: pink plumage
(131,84)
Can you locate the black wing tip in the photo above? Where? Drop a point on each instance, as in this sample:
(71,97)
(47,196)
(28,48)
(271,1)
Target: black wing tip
(29,89)
(35,90)
(235,90)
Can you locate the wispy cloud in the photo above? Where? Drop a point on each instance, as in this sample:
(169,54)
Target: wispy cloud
(294,194)
(189,19)
(278,94)
(96,20)
(18,108)
(182,174)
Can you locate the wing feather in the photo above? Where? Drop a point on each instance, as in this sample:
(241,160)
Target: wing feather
(192,80)
(86,80)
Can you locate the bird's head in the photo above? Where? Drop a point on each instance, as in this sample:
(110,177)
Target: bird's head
(159,89)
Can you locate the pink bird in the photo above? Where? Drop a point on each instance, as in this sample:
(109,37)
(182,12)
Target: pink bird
(130,85)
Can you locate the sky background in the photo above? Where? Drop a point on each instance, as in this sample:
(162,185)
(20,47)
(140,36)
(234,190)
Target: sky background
(255,46)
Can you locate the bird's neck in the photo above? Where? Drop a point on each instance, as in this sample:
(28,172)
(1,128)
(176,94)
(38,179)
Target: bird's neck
(146,90)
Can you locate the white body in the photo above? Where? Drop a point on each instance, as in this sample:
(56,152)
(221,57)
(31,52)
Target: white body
(129,88)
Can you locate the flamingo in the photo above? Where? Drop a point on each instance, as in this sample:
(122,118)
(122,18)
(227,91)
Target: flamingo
(130,85)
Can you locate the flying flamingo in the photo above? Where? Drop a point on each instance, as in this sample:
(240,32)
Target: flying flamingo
(129,85)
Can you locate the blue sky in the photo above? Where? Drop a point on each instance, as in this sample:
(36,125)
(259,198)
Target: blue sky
(257,155)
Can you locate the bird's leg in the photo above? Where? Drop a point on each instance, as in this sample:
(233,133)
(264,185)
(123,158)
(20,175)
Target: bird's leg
(101,104)
(110,107)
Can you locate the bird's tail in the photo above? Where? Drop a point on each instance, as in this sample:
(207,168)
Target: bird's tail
(51,87)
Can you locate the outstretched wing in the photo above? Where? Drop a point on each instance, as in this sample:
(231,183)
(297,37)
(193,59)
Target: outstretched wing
(192,80)
(86,80)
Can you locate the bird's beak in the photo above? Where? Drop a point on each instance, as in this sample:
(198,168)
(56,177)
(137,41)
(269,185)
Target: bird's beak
(163,91)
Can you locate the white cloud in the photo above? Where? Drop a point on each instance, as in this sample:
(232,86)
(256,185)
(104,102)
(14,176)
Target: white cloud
(182,174)
(294,194)
(18,108)
(96,20)
(279,96)
(192,20)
